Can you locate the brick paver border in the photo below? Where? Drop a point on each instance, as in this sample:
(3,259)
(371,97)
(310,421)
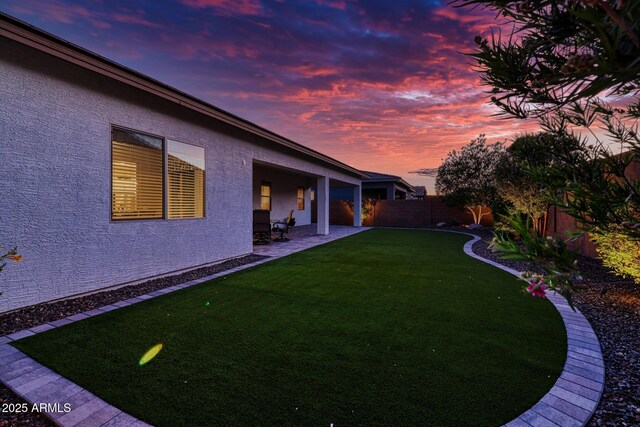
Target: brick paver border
(574,397)
(570,402)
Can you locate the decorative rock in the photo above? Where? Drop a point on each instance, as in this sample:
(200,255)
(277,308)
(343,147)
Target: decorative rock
(57,312)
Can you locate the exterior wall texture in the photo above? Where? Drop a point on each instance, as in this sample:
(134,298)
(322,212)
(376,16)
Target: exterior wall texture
(55,164)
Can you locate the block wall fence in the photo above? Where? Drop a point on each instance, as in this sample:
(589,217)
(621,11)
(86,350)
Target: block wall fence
(432,210)
(405,213)
(561,224)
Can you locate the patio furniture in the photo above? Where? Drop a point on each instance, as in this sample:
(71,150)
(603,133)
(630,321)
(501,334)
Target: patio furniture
(261,227)
(282,227)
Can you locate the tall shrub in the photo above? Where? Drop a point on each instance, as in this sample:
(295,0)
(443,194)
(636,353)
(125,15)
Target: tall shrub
(560,61)
(619,252)
(467,179)
(526,192)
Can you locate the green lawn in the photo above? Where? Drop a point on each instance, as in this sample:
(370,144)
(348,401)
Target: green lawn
(386,327)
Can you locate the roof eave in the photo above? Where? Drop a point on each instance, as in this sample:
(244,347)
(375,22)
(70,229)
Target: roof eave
(43,41)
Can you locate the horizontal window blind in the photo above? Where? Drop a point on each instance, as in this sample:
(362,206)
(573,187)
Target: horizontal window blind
(186,173)
(300,198)
(265,196)
(137,175)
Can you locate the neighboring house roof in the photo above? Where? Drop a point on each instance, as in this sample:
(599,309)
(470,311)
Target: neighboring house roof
(420,190)
(36,38)
(376,177)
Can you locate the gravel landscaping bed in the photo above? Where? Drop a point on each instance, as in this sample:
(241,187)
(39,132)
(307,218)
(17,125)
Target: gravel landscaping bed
(615,318)
(31,419)
(48,312)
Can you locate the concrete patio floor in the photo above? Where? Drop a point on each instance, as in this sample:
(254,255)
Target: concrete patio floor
(304,237)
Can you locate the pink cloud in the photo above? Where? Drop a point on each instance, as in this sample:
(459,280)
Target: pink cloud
(464,16)
(337,4)
(58,11)
(307,70)
(243,7)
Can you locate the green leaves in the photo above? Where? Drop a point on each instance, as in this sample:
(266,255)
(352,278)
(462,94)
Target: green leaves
(466,178)
(550,254)
(11,254)
(558,52)
(619,252)
(525,177)
(559,61)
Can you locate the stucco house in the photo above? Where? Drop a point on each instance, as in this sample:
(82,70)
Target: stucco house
(111,177)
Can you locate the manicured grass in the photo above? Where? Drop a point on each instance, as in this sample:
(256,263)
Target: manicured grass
(387,327)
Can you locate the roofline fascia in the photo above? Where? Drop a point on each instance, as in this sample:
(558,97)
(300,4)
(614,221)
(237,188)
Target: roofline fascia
(29,35)
(396,181)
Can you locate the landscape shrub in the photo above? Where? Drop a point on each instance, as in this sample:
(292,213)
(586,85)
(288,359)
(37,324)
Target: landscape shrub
(619,252)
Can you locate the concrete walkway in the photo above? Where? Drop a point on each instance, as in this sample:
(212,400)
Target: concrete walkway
(305,237)
(38,384)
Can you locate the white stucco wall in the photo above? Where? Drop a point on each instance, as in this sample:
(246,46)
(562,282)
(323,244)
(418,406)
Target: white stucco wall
(55,171)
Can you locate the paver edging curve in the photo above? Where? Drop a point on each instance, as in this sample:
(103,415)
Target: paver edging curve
(575,396)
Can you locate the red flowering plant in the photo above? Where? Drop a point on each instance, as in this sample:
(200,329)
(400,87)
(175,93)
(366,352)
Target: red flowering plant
(537,287)
(556,262)
(11,254)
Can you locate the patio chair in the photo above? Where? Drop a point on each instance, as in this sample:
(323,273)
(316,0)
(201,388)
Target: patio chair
(282,227)
(261,227)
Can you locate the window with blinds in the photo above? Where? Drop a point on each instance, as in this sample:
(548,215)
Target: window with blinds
(136,175)
(300,198)
(265,196)
(185,171)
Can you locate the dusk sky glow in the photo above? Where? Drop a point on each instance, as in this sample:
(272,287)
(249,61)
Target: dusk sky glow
(380,85)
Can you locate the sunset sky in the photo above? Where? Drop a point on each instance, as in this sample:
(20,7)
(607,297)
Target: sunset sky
(380,85)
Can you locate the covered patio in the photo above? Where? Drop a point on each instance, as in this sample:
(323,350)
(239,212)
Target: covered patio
(281,190)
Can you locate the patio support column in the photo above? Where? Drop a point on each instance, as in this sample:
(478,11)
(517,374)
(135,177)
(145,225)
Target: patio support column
(357,206)
(322,197)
